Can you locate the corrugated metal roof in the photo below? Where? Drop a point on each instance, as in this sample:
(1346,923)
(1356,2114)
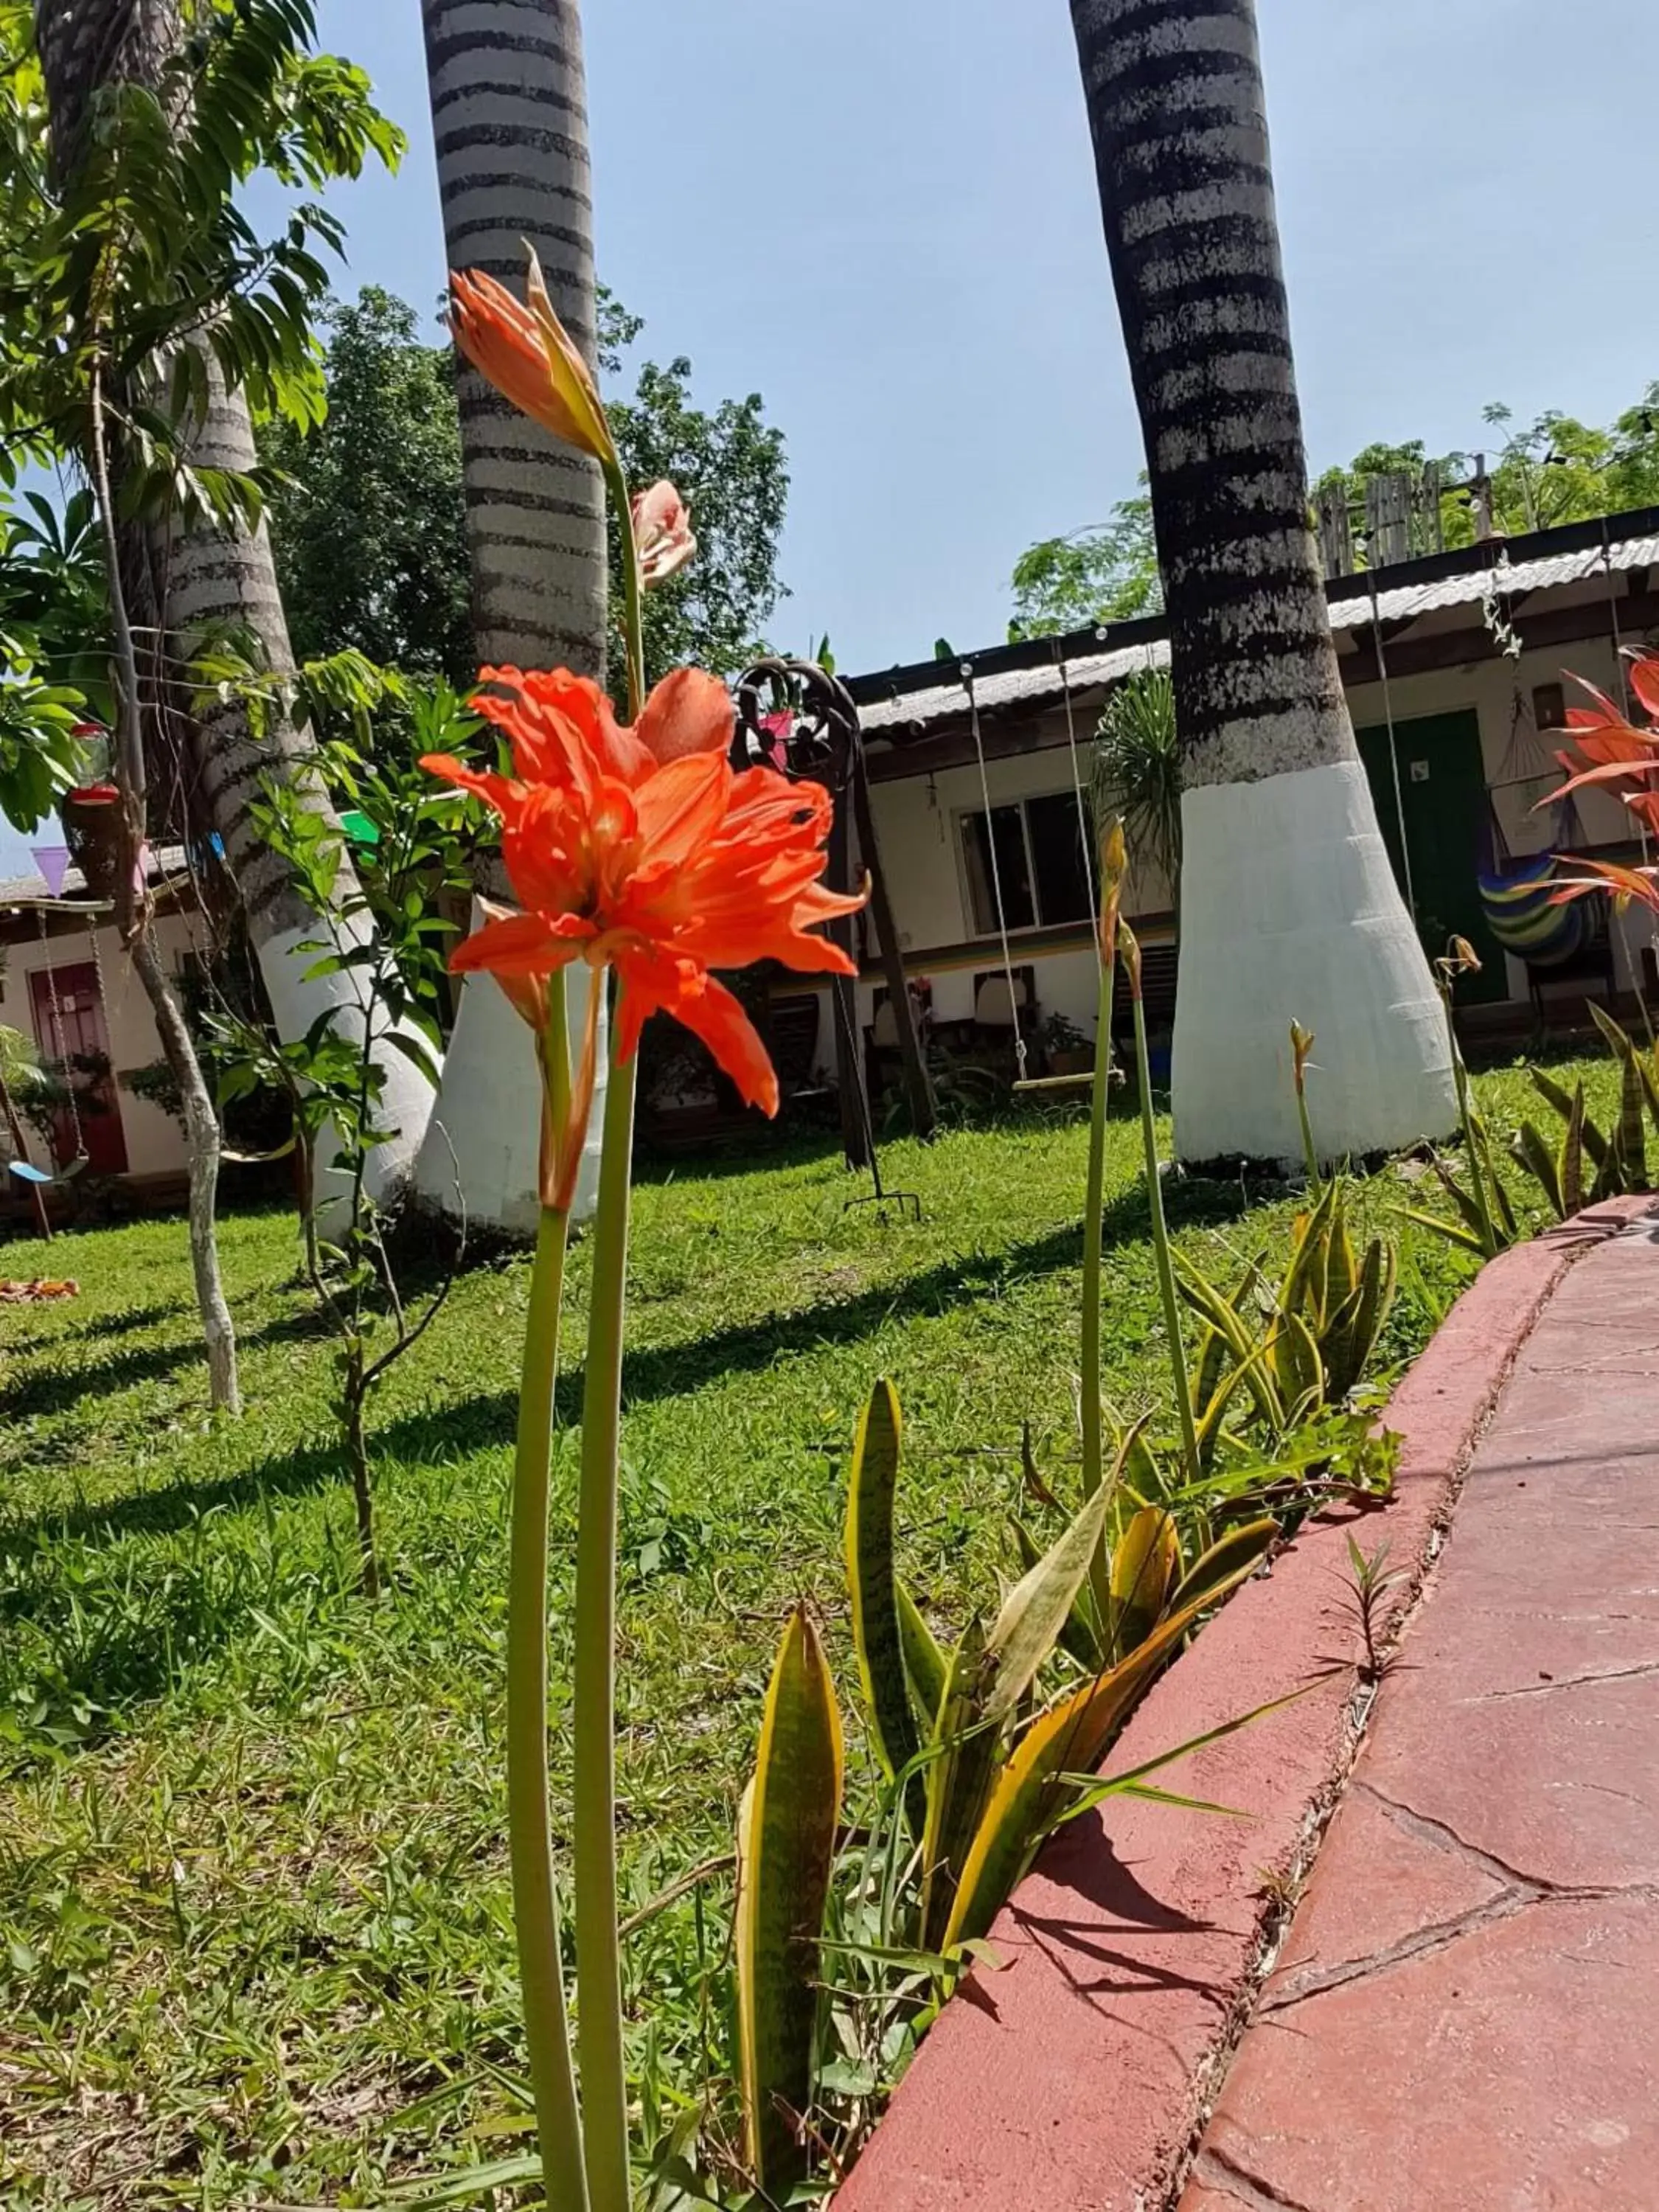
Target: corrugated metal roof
(1043,684)
(167,860)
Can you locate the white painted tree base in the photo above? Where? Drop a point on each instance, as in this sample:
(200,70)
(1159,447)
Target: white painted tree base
(1289,911)
(406,1100)
(484,1137)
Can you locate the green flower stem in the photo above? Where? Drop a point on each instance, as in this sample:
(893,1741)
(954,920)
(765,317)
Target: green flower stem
(1472,1130)
(1166,1283)
(1094,1458)
(535,1897)
(598,1951)
(1310,1156)
(633,591)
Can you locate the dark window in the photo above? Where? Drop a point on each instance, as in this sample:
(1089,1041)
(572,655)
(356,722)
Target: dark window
(1041,860)
(1058,858)
(1011,876)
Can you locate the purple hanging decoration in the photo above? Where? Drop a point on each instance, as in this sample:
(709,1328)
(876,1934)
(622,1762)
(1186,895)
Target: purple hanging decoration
(53,860)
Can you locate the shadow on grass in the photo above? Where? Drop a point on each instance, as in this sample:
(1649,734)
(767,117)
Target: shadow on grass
(55,1389)
(486,1419)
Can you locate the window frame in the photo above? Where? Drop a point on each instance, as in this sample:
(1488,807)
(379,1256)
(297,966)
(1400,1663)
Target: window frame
(962,816)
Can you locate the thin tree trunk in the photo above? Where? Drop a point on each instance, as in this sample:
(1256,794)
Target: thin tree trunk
(1290,908)
(362,1488)
(135,917)
(202,1143)
(20,1152)
(509,121)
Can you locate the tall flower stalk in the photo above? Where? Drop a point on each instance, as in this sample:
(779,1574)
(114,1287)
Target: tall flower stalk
(1166,1281)
(639,849)
(1113,860)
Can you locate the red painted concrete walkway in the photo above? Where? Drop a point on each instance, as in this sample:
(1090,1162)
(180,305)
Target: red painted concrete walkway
(1465,2017)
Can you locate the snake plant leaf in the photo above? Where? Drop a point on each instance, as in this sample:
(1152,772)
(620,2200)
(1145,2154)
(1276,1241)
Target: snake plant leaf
(1137,1470)
(1572,1156)
(1351,1339)
(1557,1096)
(1502,1210)
(1342,1262)
(1460,1198)
(1212,1306)
(1617,1035)
(925,1663)
(1528,1149)
(1027,1798)
(1304,1278)
(1231,1557)
(1453,1232)
(786,1855)
(1631,1130)
(1035,1610)
(1080,1636)
(872,1583)
(959,1778)
(1297,1368)
(1610,1177)
(1146,1567)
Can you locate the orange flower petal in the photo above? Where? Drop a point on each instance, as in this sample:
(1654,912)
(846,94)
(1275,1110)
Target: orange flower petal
(1644,682)
(501,338)
(682,806)
(688,712)
(521,944)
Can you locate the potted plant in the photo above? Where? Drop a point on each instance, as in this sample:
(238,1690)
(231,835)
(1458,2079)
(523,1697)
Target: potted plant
(1065,1048)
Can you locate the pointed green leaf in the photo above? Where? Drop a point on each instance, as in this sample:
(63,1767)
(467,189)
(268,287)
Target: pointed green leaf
(873,1584)
(958,1779)
(786,1855)
(925,1662)
(1035,1610)
(1239,1553)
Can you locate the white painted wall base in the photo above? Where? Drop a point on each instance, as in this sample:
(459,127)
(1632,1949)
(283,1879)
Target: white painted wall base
(1289,910)
(295,1002)
(488,1121)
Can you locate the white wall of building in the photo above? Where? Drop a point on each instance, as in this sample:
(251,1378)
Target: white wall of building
(918,819)
(155,1141)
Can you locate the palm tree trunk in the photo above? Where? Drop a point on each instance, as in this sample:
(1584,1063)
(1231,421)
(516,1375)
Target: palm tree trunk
(510,122)
(182,584)
(1290,908)
(212,580)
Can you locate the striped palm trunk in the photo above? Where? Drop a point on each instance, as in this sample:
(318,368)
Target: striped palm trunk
(183,584)
(510,122)
(1289,908)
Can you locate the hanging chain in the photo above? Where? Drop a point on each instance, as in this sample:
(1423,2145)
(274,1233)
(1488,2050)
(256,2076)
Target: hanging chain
(1084,827)
(55,1012)
(1393,749)
(996,870)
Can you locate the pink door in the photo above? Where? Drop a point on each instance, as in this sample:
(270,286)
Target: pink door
(78,1022)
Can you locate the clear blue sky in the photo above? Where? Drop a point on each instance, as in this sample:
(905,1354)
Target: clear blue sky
(892,234)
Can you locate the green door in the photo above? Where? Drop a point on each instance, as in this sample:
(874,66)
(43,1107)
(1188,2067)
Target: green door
(1443,797)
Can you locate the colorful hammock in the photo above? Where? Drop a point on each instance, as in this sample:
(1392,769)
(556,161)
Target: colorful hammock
(1520,917)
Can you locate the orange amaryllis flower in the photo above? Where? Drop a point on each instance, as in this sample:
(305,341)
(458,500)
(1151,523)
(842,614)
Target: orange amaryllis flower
(529,356)
(1617,751)
(643,849)
(1608,876)
(662,534)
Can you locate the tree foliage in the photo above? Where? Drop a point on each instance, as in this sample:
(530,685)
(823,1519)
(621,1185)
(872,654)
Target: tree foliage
(366,509)
(137,258)
(126,268)
(1104,575)
(1552,471)
(369,524)
(730,467)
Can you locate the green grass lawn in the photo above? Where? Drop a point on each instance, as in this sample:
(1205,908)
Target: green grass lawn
(255,1937)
